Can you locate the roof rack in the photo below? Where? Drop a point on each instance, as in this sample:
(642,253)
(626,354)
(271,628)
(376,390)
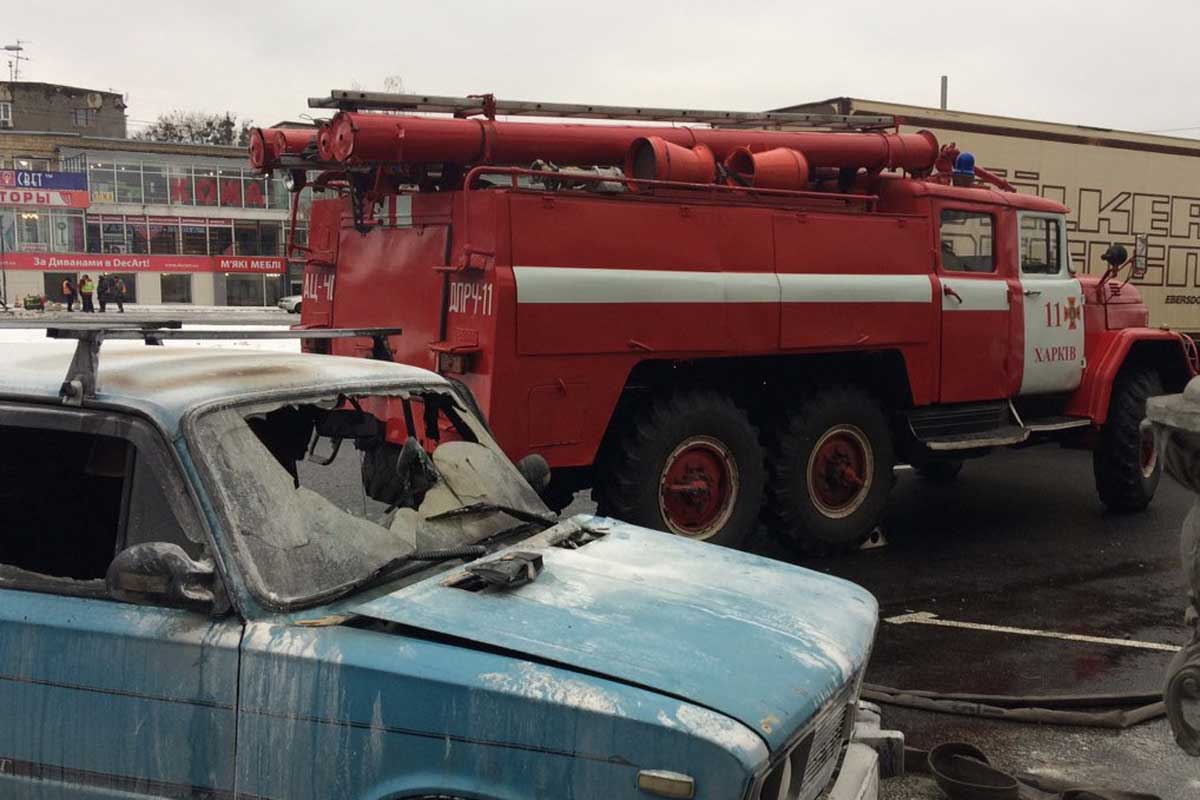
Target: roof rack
(81,380)
(489,106)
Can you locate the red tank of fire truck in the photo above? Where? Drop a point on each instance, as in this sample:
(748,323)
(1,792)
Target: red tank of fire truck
(713,326)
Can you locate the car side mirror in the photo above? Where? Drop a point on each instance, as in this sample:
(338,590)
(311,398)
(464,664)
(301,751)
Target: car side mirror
(162,574)
(536,471)
(1141,243)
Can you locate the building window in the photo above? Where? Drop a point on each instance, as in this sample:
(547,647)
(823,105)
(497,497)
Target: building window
(231,188)
(246,238)
(154,184)
(33,231)
(204,182)
(255,192)
(164,238)
(31,164)
(220,238)
(252,290)
(6,115)
(83,117)
(112,237)
(280,197)
(66,231)
(102,182)
(269,239)
(8,229)
(136,235)
(176,288)
(129,183)
(181,186)
(194,239)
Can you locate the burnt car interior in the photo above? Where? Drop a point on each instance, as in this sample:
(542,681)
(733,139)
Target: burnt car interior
(72,500)
(397,470)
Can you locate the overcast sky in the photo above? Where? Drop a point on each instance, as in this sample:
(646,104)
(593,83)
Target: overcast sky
(1129,65)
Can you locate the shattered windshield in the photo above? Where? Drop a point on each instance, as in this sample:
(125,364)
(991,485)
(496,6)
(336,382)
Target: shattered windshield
(319,492)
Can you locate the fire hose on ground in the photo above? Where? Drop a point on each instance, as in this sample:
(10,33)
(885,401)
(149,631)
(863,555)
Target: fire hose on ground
(963,772)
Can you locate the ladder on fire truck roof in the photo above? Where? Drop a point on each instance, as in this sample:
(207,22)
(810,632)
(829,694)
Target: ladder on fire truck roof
(487,105)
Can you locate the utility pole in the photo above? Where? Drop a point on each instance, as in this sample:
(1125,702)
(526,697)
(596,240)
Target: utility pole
(14,60)
(945,90)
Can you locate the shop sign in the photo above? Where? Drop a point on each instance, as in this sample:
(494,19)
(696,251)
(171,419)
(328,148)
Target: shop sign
(20,187)
(44,197)
(113,262)
(24,179)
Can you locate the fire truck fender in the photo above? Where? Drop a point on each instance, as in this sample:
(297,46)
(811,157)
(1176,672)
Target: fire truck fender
(1171,353)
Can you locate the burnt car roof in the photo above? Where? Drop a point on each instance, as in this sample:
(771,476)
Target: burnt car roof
(167,382)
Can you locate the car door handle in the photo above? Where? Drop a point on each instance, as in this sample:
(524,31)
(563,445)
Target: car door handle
(949,292)
(1032,292)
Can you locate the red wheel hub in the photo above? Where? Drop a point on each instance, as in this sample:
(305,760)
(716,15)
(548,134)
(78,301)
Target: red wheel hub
(698,487)
(840,471)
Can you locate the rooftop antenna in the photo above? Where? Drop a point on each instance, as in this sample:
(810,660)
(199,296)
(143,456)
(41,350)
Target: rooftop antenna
(15,58)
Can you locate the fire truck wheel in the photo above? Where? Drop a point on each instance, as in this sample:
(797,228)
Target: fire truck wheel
(830,465)
(1126,463)
(690,464)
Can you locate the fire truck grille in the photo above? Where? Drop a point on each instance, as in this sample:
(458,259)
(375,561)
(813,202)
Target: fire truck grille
(804,773)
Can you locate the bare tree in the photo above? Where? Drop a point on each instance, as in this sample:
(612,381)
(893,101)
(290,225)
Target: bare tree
(197,127)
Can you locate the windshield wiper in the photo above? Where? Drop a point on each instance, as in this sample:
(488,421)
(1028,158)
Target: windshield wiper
(487,508)
(387,569)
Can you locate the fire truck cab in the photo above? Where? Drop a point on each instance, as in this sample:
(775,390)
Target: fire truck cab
(713,327)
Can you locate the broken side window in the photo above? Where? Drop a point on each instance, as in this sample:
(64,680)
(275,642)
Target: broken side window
(74,495)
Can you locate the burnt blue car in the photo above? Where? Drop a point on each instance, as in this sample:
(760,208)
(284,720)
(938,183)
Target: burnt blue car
(231,573)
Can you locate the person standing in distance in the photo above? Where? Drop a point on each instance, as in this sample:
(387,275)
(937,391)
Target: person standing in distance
(68,290)
(119,291)
(86,287)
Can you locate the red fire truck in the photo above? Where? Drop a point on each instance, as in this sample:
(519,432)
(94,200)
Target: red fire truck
(710,326)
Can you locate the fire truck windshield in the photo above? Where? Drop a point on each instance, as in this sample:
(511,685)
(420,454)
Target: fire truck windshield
(318,492)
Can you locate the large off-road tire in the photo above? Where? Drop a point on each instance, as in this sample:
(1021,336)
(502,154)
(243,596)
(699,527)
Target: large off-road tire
(689,463)
(1126,462)
(829,463)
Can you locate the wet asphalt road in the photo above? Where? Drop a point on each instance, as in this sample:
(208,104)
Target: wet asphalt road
(1020,540)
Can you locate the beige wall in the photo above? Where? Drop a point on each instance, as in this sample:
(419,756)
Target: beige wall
(149,287)
(202,290)
(21,282)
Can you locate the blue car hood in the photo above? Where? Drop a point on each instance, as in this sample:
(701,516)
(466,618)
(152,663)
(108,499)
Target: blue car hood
(760,641)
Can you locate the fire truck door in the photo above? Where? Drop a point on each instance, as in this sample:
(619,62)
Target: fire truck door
(976,313)
(1053,306)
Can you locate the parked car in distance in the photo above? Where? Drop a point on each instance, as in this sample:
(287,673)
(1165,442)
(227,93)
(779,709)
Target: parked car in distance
(291,303)
(232,573)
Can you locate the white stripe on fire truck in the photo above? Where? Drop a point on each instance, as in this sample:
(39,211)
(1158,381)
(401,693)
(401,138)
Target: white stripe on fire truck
(842,288)
(975,294)
(592,285)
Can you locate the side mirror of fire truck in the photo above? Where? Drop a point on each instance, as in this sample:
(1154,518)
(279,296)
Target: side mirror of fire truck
(536,471)
(1140,246)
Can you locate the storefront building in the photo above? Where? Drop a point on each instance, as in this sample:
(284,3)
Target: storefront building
(179,223)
